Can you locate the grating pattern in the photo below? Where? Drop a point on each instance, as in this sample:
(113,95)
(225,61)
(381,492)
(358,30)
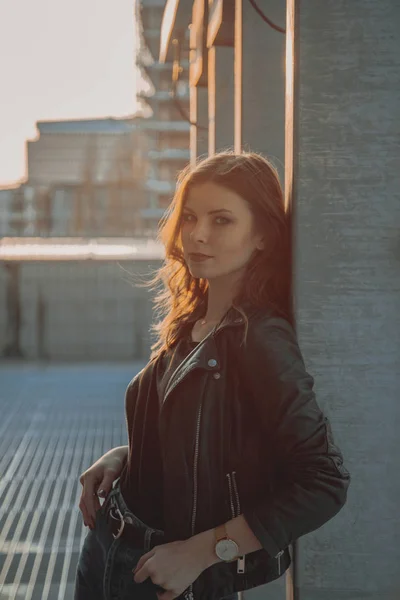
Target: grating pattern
(56,421)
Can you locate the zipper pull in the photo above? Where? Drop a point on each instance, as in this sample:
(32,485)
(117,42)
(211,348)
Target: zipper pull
(278,556)
(240,564)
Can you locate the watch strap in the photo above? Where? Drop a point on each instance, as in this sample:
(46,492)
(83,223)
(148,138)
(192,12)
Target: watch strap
(221,533)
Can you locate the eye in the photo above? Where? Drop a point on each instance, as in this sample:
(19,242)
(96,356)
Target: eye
(226,221)
(185,217)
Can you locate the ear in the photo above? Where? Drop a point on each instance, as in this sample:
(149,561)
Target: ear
(260,244)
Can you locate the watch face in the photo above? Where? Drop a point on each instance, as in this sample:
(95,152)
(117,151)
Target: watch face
(227,550)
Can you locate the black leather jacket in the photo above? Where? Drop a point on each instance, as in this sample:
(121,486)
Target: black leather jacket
(240,433)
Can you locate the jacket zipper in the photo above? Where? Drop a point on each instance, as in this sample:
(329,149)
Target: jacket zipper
(236,492)
(241,560)
(232,481)
(189,595)
(231,495)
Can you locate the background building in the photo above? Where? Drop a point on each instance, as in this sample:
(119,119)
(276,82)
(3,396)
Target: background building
(75,236)
(84,178)
(236,74)
(167,129)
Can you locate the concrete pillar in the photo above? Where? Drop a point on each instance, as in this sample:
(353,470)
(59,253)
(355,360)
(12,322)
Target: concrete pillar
(199,115)
(260,80)
(346,200)
(220,98)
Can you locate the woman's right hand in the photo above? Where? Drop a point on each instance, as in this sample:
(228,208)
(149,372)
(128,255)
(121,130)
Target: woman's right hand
(97,481)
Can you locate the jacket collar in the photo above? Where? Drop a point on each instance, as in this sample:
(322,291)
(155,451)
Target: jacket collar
(231,317)
(205,355)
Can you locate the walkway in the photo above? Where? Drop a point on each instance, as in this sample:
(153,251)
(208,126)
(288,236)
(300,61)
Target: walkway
(55,422)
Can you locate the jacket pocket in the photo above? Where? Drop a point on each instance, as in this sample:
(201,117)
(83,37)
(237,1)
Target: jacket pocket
(234,502)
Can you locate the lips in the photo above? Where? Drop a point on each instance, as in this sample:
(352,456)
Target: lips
(198,257)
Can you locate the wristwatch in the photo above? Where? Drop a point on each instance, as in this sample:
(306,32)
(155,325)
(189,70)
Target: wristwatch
(226,549)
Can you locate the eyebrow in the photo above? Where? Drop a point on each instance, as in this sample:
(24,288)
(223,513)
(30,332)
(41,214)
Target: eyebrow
(211,212)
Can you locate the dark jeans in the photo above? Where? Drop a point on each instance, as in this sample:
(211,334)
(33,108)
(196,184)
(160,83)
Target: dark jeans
(105,564)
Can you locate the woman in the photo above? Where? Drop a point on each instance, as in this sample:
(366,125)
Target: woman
(230,458)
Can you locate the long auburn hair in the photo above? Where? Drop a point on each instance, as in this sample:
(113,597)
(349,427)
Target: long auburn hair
(266,282)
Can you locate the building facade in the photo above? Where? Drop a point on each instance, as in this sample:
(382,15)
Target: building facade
(168,127)
(84,178)
(236,74)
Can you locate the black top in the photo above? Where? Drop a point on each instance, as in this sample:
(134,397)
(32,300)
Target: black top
(150,510)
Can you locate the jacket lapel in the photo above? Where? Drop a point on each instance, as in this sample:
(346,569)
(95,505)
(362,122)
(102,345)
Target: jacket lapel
(205,355)
(198,358)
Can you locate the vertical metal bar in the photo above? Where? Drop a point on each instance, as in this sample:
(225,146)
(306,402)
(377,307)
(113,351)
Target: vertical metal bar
(291,136)
(212,101)
(238,71)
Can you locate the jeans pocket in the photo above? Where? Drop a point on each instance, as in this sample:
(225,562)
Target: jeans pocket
(100,525)
(122,583)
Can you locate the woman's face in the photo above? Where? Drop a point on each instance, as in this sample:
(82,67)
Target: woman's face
(217,224)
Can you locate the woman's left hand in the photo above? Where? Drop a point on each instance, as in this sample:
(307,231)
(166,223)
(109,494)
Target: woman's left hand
(173,566)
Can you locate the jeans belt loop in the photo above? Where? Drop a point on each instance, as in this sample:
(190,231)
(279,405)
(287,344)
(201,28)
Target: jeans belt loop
(118,535)
(147,539)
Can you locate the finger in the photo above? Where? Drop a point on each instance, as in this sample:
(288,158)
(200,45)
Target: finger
(142,572)
(91,501)
(105,485)
(142,560)
(141,575)
(84,512)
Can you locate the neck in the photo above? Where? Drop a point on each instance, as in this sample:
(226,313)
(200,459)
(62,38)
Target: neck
(221,292)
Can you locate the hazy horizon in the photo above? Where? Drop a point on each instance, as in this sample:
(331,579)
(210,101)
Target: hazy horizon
(61,60)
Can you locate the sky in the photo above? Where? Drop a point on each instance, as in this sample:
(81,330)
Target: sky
(61,59)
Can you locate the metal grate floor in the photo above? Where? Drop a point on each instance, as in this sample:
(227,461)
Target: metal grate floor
(55,422)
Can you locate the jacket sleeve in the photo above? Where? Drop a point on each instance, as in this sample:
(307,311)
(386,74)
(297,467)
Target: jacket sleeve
(310,483)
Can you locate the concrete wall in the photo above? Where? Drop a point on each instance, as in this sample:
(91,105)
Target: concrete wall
(81,310)
(3,307)
(347,149)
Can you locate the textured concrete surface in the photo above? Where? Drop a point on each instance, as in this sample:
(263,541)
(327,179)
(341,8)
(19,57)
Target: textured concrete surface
(347,149)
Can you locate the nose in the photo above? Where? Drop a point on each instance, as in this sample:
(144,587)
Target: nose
(199,233)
